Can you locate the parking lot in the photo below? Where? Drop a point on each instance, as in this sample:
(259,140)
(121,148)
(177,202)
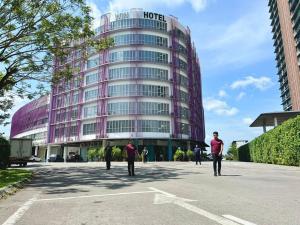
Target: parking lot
(160,193)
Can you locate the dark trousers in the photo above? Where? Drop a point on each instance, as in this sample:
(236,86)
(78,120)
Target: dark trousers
(198,159)
(131,167)
(217,159)
(108,164)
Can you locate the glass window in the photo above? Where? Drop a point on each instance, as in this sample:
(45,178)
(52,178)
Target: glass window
(91,94)
(121,108)
(153,126)
(120,126)
(92,63)
(90,111)
(91,78)
(89,128)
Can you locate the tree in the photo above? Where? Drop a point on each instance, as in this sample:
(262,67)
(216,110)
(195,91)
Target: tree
(32,34)
(232,152)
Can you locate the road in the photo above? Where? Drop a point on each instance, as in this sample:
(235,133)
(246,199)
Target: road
(166,193)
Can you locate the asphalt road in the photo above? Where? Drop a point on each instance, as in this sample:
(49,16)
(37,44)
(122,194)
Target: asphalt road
(160,193)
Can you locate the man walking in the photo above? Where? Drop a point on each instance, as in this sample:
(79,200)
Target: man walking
(130,158)
(197,152)
(108,151)
(145,154)
(217,147)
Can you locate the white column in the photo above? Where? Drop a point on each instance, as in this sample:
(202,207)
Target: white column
(48,152)
(65,153)
(36,150)
(275,122)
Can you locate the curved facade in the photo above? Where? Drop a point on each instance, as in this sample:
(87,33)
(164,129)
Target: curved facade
(146,88)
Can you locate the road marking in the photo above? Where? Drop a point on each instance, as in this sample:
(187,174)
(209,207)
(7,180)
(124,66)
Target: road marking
(238,220)
(182,203)
(20,212)
(92,196)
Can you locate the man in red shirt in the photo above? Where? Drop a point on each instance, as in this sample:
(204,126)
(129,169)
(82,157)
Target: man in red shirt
(131,151)
(217,147)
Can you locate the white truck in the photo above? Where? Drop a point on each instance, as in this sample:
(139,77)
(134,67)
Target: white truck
(20,151)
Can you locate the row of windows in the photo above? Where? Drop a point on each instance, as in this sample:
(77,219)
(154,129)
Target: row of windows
(144,39)
(37,136)
(141,55)
(120,126)
(138,90)
(144,108)
(66,115)
(136,23)
(64,131)
(138,72)
(66,100)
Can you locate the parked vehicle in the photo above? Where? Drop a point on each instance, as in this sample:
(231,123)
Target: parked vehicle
(55,158)
(34,158)
(73,157)
(20,151)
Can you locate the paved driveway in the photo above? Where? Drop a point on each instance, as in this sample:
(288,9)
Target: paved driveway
(161,193)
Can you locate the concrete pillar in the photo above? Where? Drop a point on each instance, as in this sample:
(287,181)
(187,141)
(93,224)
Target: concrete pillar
(65,154)
(275,122)
(264,127)
(189,145)
(170,150)
(36,150)
(48,152)
(104,141)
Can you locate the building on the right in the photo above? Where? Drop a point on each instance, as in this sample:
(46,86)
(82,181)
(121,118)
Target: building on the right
(285,21)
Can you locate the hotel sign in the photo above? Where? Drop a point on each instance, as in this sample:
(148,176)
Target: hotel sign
(147,15)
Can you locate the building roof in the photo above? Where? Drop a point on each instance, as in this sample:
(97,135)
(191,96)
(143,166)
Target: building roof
(267,119)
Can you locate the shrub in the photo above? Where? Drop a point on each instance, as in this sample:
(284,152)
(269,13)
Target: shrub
(92,154)
(190,154)
(280,145)
(179,155)
(101,154)
(4,153)
(116,153)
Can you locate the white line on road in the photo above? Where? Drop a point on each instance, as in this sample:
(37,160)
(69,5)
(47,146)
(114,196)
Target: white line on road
(92,196)
(20,212)
(184,204)
(238,220)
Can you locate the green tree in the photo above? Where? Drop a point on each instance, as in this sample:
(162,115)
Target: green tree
(232,152)
(32,34)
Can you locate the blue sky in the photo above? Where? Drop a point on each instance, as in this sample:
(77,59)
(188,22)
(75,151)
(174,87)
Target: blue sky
(234,43)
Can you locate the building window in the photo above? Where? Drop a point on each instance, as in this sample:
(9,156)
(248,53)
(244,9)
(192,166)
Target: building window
(122,90)
(92,63)
(89,128)
(140,72)
(184,113)
(153,108)
(140,55)
(91,78)
(73,131)
(121,108)
(184,96)
(120,126)
(143,39)
(185,128)
(90,111)
(155,126)
(91,94)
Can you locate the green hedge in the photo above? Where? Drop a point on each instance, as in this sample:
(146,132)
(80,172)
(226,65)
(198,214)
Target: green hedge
(280,145)
(4,153)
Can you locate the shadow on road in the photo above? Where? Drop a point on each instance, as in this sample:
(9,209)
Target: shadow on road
(65,180)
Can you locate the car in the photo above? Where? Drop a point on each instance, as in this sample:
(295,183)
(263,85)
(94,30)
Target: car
(55,158)
(34,158)
(73,157)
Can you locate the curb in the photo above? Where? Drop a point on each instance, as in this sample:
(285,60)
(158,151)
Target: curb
(13,188)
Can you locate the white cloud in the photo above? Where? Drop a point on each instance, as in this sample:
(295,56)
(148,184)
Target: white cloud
(243,42)
(219,107)
(120,5)
(222,94)
(261,83)
(240,96)
(95,13)
(247,120)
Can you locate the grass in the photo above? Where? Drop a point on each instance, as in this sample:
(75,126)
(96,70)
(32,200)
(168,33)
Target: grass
(11,176)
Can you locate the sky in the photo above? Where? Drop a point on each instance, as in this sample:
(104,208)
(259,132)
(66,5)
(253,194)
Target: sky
(234,42)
